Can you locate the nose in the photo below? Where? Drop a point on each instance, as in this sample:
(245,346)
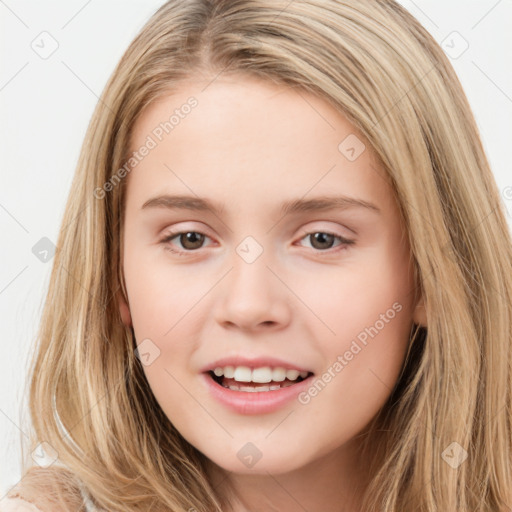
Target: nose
(252,297)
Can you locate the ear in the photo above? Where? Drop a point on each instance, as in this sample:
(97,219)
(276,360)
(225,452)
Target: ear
(124,310)
(420,313)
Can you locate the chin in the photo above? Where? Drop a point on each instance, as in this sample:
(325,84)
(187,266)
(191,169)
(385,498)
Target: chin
(240,462)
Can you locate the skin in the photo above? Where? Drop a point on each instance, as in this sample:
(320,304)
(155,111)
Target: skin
(251,145)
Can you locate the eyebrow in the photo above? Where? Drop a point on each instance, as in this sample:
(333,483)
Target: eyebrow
(322,203)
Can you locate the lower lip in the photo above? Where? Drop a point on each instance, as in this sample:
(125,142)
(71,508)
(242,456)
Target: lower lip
(258,402)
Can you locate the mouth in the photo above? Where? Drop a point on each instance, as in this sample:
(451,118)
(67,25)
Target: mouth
(235,385)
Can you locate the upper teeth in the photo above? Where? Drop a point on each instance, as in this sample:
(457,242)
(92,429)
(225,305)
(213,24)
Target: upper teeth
(263,374)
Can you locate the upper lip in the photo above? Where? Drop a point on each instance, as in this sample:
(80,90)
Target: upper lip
(256,362)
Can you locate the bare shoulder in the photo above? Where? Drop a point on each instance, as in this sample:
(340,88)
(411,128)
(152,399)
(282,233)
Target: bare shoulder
(44,490)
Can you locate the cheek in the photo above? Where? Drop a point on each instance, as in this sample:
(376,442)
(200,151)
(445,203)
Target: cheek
(163,306)
(348,300)
(161,296)
(366,318)
(362,363)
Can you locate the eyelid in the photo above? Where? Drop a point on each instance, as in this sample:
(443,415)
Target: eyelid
(313,227)
(344,242)
(178,230)
(308,231)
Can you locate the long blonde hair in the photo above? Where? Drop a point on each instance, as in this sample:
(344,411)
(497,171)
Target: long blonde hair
(89,399)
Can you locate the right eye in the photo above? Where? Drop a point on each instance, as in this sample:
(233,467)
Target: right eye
(190,241)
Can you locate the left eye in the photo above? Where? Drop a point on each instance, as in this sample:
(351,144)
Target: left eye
(322,240)
(193,240)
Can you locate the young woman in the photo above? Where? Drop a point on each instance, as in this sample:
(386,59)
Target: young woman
(283,279)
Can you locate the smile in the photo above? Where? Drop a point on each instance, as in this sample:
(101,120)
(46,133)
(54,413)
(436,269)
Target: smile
(263,379)
(251,398)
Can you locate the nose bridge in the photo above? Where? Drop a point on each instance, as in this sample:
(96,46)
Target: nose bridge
(250,277)
(251,294)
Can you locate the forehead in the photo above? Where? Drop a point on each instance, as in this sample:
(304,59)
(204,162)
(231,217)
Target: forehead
(254,138)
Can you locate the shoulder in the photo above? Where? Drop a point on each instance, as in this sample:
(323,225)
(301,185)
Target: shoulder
(44,490)
(11,504)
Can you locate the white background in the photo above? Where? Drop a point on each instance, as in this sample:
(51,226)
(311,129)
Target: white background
(46,105)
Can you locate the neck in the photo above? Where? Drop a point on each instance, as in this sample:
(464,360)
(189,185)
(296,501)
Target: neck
(333,482)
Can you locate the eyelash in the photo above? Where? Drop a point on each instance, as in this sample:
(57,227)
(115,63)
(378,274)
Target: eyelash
(343,245)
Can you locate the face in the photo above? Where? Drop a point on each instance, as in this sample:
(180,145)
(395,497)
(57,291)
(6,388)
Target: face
(324,288)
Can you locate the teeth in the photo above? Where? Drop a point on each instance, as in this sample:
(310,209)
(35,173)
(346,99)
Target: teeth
(257,389)
(260,375)
(242,374)
(252,390)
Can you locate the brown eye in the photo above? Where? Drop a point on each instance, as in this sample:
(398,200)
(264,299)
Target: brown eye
(191,240)
(321,240)
(325,243)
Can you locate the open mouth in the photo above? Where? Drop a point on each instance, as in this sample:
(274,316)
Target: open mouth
(255,386)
